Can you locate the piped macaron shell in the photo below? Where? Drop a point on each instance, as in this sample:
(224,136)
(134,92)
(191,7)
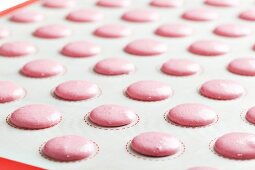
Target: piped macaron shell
(220,89)
(140,15)
(26,16)
(209,48)
(166,3)
(52,31)
(58,3)
(250,115)
(202,168)
(85,15)
(68,148)
(149,90)
(232,30)
(155,144)
(236,145)
(17,49)
(112,115)
(222,3)
(180,67)
(146,47)
(42,68)
(174,30)
(192,115)
(35,116)
(113,3)
(114,66)
(112,31)
(76,90)
(10,91)
(242,66)
(200,15)
(248,15)
(80,49)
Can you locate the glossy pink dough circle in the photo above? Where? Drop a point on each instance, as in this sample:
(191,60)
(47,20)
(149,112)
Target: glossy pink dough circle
(166,3)
(17,49)
(250,115)
(232,30)
(112,115)
(25,16)
(52,31)
(140,15)
(242,66)
(10,91)
(200,14)
(113,3)
(59,3)
(174,30)
(112,31)
(155,144)
(222,3)
(85,15)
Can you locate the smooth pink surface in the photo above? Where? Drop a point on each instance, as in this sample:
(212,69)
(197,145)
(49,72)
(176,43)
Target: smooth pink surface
(68,148)
(17,49)
(4,32)
(209,48)
(156,144)
(114,66)
(242,66)
(36,116)
(250,115)
(248,15)
(112,31)
(146,47)
(58,3)
(85,15)
(52,31)
(166,3)
(140,15)
(76,90)
(10,91)
(174,30)
(81,49)
(232,30)
(112,115)
(180,67)
(200,14)
(149,90)
(192,115)
(222,3)
(202,168)
(113,3)
(42,68)
(222,89)
(25,16)
(236,145)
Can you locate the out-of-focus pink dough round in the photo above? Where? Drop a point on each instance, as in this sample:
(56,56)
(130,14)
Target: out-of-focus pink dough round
(52,31)
(112,115)
(155,144)
(17,49)
(202,168)
(113,3)
(36,116)
(192,115)
(85,15)
(10,91)
(222,3)
(236,145)
(25,16)
(174,30)
(76,90)
(141,15)
(248,15)
(209,48)
(250,115)
(242,66)
(232,30)
(81,49)
(200,14)
(166,3)
(180,67)
(146,47)
(112,31)
(222,89)
(4,32)
(114,66)
(42,68)
(149,90)
(68,148)
(59,3)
